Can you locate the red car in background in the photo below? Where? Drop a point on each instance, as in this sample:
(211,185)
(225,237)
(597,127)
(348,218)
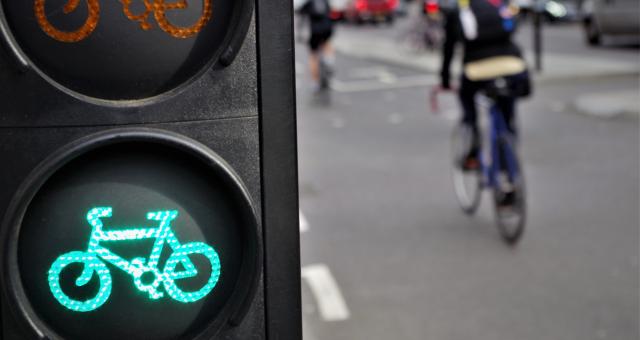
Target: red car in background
(370,10)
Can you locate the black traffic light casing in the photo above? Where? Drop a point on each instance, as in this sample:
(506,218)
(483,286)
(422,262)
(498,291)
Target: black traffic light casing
(143,119)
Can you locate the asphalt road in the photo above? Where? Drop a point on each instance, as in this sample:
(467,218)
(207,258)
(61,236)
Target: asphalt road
(387,253)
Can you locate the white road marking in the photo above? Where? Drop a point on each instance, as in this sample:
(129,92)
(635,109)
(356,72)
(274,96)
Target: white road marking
(326,292)
(382,84)
(304,224)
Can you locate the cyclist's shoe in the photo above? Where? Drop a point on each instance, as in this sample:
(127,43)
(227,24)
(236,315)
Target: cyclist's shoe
(470,164)
(471,161)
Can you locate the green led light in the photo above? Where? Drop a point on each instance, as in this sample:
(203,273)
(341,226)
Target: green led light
(95,257)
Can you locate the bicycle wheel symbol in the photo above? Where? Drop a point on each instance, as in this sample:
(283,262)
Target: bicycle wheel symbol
(181,255)
(92,264)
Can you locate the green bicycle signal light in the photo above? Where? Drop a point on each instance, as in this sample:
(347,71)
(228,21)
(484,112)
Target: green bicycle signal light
(94,258)
(131,224)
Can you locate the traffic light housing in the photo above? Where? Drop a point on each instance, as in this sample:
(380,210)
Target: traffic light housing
(149,187)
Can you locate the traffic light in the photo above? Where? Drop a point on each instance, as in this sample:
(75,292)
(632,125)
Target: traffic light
(148,184)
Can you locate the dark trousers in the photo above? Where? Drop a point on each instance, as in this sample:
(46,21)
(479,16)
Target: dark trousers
(467,93)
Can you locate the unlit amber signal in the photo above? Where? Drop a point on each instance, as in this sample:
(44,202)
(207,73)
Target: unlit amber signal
(159,9)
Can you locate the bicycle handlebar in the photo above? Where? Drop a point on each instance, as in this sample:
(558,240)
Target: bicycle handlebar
(433,97)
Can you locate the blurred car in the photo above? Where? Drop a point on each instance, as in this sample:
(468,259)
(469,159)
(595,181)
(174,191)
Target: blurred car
(610,17)
(338,9)
(551,10)
(430,7)
(557,11)
(360,11)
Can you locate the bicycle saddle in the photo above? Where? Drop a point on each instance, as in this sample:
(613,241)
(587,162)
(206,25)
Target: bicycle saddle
(498,87)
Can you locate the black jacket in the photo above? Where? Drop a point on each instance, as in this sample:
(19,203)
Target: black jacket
(319,15)
(497,45)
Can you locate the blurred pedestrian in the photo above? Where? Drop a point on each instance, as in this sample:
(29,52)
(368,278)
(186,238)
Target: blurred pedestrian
(321,57)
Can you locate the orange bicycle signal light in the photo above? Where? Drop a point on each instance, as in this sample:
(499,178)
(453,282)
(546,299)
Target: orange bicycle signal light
(159,8)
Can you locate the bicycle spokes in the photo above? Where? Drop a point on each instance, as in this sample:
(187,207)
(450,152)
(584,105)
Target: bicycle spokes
(147,277)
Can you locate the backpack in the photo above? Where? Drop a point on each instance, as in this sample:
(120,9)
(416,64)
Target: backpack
(486,20)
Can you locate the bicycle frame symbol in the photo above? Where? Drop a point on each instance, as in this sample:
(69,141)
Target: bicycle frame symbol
(95,256)
(159,9)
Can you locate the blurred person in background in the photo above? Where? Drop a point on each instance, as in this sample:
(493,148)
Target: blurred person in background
(485,29)
(321,30)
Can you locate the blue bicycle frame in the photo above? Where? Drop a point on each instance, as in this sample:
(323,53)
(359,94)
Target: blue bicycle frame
(498,130)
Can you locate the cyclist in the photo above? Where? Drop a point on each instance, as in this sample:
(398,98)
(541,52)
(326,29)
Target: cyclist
(319,40)
(485,29)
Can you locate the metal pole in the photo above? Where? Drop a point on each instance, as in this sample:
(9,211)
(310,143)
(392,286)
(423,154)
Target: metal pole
(537,35)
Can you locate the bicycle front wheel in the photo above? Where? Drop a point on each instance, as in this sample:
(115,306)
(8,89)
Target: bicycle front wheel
(510,217)
(466,183)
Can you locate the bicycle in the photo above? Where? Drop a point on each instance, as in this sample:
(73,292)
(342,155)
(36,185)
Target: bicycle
(499,168)
(142,270)
(423,34)
(159,9)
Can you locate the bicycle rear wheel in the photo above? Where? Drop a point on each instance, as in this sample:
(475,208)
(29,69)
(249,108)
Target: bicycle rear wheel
(467,183)
(510,218)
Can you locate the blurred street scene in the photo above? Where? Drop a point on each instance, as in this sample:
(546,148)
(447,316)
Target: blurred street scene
(387,252)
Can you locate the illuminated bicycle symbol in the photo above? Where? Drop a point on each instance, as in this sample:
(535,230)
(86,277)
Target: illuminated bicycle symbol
(159,8)
(95,257)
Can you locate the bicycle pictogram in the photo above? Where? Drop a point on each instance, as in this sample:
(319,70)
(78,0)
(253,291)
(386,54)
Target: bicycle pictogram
(95,256)
(158,8)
